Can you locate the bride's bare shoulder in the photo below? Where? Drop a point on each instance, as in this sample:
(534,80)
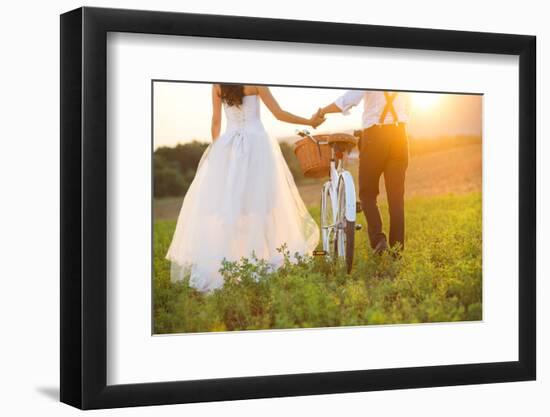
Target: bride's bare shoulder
(216,88)
(252,90)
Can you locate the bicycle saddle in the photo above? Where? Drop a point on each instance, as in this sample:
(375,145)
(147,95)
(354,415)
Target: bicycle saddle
(342,139)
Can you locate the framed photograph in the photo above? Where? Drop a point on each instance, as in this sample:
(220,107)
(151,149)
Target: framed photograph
(256,208)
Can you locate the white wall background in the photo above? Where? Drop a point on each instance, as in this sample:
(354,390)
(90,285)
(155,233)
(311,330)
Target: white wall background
(29,225)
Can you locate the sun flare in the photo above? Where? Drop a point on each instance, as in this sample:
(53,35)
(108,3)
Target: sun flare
(424,101)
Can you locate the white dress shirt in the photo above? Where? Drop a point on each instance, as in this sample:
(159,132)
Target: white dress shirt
(373,106)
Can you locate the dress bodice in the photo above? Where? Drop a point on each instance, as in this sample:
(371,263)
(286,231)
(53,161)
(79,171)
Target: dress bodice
(245,115)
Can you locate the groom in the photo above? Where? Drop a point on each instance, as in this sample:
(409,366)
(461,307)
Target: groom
(383,149)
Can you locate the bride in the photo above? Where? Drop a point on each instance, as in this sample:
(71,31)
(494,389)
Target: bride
(243,200)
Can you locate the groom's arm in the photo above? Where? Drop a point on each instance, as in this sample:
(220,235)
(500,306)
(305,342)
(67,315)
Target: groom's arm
(344,103)
(331,108)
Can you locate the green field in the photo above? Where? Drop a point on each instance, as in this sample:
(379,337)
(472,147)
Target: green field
(437,279)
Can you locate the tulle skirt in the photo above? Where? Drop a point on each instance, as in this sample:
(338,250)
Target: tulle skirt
(242,202)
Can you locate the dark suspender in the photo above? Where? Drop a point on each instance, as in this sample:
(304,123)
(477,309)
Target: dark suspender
(388,108)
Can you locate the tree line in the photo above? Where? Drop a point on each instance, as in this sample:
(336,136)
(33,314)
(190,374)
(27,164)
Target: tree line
(174,167)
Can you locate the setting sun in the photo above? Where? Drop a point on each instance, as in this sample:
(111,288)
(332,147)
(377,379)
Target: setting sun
(424,101)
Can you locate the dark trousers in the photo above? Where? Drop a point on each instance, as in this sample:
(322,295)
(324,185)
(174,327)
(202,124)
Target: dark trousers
(384,150)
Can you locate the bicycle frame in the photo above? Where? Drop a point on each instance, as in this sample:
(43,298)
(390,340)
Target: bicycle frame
(338,203)
(338,176)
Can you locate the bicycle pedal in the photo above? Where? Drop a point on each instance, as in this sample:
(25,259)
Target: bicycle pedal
(319,253)
(358,208)
(358,226)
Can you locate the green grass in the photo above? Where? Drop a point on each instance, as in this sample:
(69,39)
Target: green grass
(438,279)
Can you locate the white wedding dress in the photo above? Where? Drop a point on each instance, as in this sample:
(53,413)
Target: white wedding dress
(242,201)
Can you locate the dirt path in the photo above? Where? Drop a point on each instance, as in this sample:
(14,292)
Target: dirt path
(455,170)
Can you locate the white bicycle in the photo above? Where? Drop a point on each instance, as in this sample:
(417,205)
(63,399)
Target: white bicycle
(338,198)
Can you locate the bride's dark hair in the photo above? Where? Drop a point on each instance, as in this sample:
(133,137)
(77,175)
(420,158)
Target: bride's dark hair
(232,94)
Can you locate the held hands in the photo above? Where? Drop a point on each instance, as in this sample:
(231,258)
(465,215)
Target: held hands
(317,119)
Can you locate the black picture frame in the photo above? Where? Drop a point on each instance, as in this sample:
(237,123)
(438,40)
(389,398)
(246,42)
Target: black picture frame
(84,207)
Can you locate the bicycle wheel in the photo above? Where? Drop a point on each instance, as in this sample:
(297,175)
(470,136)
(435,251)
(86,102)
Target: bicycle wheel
(327,222)
(345,229)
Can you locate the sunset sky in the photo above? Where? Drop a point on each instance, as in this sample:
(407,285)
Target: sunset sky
(183,112)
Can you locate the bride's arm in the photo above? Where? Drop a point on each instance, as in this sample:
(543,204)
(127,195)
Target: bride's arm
(216,112)
(283,115)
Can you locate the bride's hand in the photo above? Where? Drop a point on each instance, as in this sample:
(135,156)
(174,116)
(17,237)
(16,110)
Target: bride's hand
(317,119)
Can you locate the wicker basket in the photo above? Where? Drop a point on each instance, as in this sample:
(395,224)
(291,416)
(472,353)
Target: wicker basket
(314,156)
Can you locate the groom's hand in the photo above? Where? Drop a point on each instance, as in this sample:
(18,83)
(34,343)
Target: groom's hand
(317,118)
